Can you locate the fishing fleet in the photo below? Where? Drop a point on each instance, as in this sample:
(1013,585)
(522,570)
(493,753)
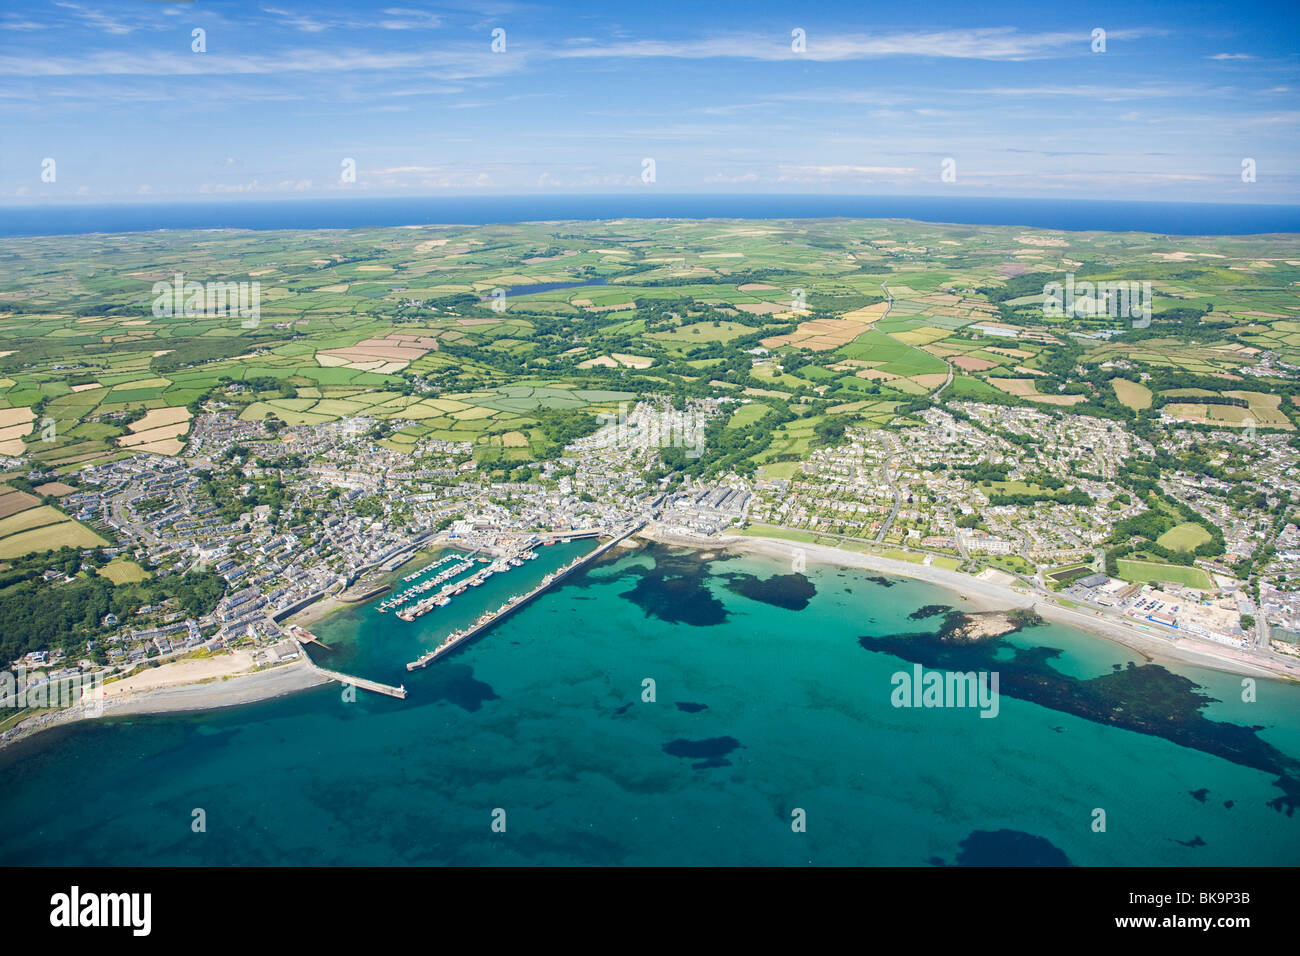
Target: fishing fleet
(463,564)
(416,601)
(456,636)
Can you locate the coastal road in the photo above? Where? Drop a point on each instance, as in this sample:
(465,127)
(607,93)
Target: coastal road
(898,499)
(956,533)
(1023,552)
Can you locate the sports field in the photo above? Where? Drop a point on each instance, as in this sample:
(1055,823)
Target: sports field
(1148,572)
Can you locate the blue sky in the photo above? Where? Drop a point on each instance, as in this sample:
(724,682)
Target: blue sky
(583,93)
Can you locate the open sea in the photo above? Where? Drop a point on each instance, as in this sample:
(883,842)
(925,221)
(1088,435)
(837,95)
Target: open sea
(1166,218)
(771,695)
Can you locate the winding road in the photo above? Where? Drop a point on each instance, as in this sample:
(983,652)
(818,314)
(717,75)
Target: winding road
(889,304)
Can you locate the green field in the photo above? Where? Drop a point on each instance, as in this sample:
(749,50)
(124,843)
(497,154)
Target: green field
(748,414)
(890,355)
(1133,394)
(1148,572)
(700,333)
(1184,537)
(50,537)
(31,518)
(121,571)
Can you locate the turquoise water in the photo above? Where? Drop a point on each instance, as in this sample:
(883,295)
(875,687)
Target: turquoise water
(787,698)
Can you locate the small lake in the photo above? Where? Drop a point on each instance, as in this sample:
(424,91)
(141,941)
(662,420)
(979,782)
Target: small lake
(547,287)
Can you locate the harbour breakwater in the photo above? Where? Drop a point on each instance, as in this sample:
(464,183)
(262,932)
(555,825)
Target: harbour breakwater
(459,637)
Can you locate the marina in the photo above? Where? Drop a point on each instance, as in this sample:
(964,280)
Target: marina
(465,563)
(409,612)
(486,620)
(428,567)
(439,583)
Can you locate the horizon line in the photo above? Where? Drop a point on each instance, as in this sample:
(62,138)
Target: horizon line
(270,200)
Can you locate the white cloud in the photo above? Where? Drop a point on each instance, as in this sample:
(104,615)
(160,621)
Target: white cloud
(255,186)
(95,18)
(840,173)
(724,178)
(394,170)
(1088,91)
(982,43)
(446,64)
(847,170)
(297,20)
(401,18)
(394,18)
(10,22)
(433,177)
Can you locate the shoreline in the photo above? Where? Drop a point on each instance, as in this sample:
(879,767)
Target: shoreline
(318,611)
(247,687)
(331,604)
(215,690)
(988,596)
(244,686)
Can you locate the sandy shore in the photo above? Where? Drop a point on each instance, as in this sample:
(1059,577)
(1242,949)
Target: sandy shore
(189,670)
(979,595)
(319,611)
(204,683)
(243,688)
(182,686)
